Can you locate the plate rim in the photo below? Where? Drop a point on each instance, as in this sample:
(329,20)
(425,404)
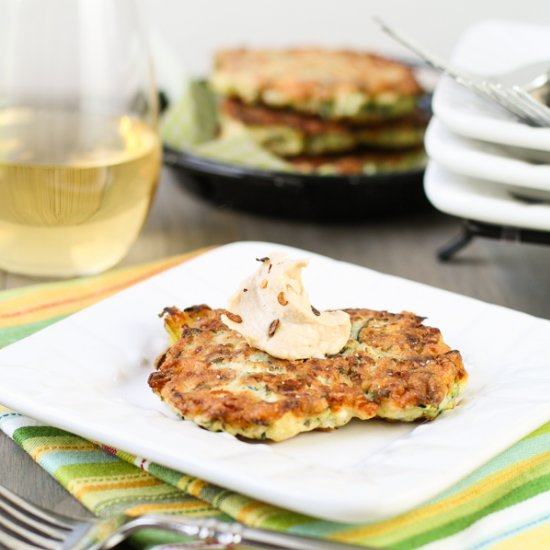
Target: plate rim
(457,155)
(493,194)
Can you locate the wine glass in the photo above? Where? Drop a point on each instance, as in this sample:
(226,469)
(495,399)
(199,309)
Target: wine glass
(79,148)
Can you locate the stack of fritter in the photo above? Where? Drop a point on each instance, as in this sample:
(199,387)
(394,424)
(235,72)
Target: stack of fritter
(324,111)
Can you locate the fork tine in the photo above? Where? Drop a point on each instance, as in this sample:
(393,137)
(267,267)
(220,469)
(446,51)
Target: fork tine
(515,100)
(542,112)
(508,94)
(24,526)
(516,105)
(535,116)
(490,91)
(17,538)
(51,518)
(28,525)
(7,541)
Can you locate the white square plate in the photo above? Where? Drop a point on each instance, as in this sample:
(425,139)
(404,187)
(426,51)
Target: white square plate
(482,200)
(88,374)
(482,160)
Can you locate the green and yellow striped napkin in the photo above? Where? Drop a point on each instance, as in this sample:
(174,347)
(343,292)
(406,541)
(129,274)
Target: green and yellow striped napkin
(505,504)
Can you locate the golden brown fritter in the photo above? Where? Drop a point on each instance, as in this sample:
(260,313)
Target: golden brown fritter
(392,367)
(335,84)
(361,162)
(287,133)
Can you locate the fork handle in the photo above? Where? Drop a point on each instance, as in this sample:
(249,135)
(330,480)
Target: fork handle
(227,534)
(429,57)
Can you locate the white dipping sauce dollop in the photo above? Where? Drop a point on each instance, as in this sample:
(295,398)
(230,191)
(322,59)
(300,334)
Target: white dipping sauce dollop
(272,311)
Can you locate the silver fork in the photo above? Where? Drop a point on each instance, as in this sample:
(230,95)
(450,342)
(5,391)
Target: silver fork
(506,93)
(25,526)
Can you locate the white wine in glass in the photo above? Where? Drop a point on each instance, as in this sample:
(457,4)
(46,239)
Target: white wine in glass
(79,148)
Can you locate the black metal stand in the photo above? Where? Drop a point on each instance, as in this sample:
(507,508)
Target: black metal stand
(471,229)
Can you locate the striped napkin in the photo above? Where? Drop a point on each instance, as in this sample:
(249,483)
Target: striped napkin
(505,504)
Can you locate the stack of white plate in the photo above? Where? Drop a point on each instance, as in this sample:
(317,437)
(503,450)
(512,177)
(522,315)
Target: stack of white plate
(484,165)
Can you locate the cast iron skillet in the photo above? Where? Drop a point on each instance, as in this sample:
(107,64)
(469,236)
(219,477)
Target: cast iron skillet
(298,196)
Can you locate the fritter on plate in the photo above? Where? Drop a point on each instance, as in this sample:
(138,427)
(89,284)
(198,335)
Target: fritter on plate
(329,84)
(287,133)
(392,367)
(361,162)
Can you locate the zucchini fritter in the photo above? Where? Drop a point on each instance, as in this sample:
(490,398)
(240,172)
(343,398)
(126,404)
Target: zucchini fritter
(392,367)
(330,84)
(361,162)
(288,134)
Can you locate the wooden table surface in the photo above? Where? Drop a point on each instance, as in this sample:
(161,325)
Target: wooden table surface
(510,274)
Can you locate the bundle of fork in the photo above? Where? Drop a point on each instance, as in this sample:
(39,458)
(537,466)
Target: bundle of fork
(509,90)
(25,526)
